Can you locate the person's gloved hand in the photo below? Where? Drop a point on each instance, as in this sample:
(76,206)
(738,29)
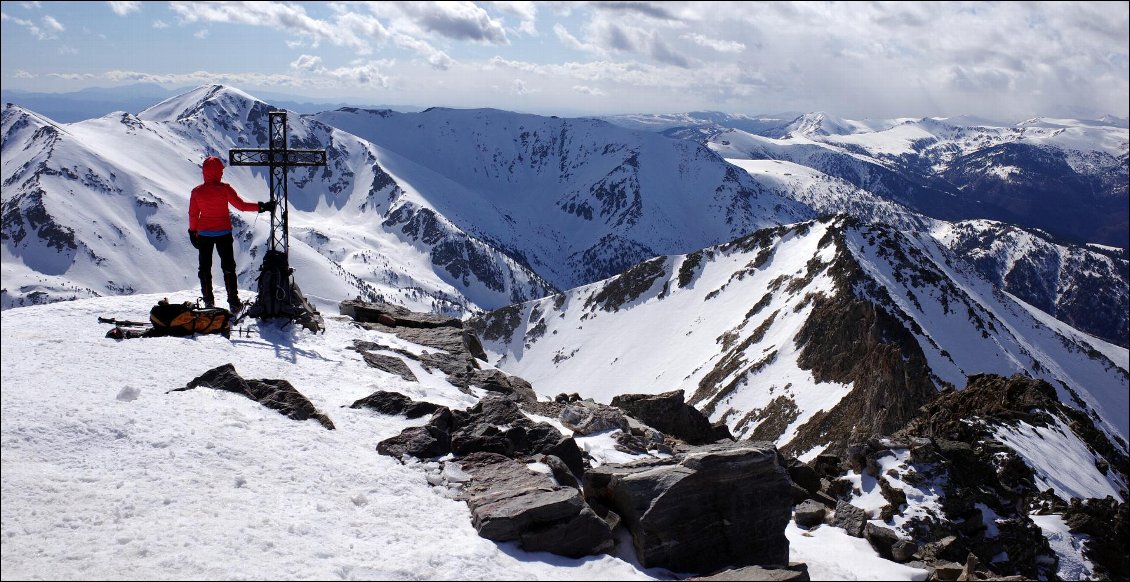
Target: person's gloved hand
(192,239)
(268,206)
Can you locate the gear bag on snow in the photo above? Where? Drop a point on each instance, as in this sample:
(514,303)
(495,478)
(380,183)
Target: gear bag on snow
(182,319)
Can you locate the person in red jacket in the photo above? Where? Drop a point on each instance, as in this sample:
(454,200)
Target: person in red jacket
(209,226)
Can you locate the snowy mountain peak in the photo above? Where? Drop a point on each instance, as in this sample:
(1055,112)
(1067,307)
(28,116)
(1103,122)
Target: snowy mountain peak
(207,98)
(812,335)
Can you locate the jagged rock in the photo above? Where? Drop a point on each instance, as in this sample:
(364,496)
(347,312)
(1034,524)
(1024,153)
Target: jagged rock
(804,475)
(372,312)
(510,502)
(478,430)
(903,550)
(851,518)
(881,539)
(828,466)
(810,513)
(798,493)
(498,381)
(669,413)
(585,534)
(713,506)
(794,572)
(969,571)
(585,418)
(424,442)
(277,395)
(390,364)
(395,403)
(949,548)
(948,571)
(560,471)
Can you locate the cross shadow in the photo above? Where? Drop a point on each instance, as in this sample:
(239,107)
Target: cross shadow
(278,335)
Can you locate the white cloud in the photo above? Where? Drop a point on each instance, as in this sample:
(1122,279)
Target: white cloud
(68,50)
(307,63)
(451,20)
(521,88)
(435,57)
(722,46)
(588,90)
(159,24)
(52,24)
(291,18)
(201,34)
(124,8)
(22,74)
(525,12)
(568,39)
(46,32)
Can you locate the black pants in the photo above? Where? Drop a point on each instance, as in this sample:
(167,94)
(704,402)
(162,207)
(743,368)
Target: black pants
(224,245)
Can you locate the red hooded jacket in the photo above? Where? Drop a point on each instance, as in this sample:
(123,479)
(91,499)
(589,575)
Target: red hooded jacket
(208,206)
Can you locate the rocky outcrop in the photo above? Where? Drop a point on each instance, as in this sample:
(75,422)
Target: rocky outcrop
(458,354)
(395,403)
(447,333)
(496,425)
(794,572)
(707,508)
(509,502)
(277,395)
(670,414)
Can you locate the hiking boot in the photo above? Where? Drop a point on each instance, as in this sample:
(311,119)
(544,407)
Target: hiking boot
(232,285)
(209,304)
(206,290)
(235,308)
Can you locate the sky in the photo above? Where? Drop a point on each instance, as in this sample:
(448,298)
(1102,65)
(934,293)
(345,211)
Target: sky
(857,60)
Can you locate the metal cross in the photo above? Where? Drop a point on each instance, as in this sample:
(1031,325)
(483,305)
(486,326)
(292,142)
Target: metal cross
(280,159)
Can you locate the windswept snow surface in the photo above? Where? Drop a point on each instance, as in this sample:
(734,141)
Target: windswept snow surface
(1045,449)
(831,554)
(107,475)
(1066,545)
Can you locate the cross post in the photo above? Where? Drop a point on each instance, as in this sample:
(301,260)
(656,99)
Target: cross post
(279,158)
(279,296)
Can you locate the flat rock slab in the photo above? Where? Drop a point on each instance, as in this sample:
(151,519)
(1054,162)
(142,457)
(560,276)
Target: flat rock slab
(508,502)
(277,395)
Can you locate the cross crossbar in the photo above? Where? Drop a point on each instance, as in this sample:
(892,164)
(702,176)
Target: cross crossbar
(279,158)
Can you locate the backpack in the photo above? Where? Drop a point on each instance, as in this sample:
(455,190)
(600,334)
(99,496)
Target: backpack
(183,319)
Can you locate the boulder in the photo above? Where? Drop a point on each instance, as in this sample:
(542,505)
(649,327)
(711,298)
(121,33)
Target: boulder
(391,364)
(585,418)
(881,539)
(423,442)
(710,507)
(395,403)
(810,513)
(851,518)
(510,502)
(277,395)
(804,475)
(903,551)
(671,415)
(794,572)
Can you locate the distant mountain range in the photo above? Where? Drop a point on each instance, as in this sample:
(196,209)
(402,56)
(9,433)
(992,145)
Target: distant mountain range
(812,335)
